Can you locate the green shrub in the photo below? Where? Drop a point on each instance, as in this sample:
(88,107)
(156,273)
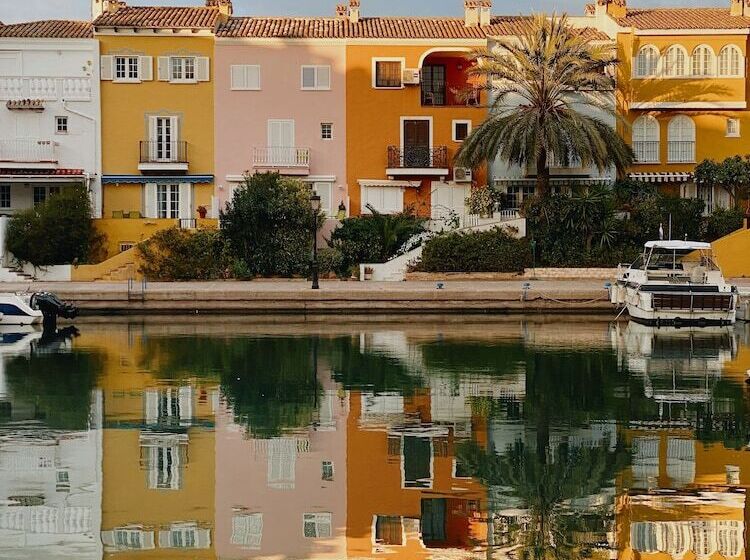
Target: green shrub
(57,231)
(723,221)
(331,260)
(485,251)
(178,254)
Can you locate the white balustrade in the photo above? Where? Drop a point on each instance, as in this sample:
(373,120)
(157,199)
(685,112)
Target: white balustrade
(45,88)
(24,150)
(281,156)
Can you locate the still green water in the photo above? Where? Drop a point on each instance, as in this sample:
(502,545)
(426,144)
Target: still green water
(528,438)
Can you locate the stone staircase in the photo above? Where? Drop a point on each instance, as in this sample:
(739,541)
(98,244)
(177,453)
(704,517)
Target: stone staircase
(14,275)
(119,274)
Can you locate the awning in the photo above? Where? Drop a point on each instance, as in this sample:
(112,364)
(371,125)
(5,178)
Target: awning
(41,175)
(142,179)
(665,177)
(388,183)
(553,181)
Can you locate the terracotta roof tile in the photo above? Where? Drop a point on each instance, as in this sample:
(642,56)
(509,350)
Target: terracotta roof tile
(51,28)
(191,17)
(373,28)
(683,18)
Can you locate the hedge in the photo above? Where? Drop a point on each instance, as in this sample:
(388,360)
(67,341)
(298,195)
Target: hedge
(484,251)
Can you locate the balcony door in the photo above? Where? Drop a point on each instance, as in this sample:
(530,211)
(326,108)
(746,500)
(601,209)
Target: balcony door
(416,143)
(433,84)
(163,137)
(281,142)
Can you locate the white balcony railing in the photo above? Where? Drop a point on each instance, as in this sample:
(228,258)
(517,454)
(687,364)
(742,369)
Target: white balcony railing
(27,151)
(281,156)
(47,89)
(646,151)
(681,151)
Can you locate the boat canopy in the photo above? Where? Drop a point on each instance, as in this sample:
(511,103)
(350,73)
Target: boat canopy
(677,245)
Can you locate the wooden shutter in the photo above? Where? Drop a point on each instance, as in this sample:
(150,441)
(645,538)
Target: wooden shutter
(186,204)
(162,70)
(150,200)
(146,68)
(106,68)
(202,69)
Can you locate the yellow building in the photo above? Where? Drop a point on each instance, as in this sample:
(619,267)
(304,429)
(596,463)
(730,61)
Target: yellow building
(158,117)
(682,88)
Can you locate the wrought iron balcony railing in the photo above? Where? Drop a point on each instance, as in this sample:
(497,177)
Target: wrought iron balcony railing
(153,151)
(417,157)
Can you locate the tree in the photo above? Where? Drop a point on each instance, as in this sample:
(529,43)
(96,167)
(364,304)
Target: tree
(732,175)
(57,231)
(543,85)
(269,225)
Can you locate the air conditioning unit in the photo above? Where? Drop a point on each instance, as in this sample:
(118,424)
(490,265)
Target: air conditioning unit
(411,76)
(462,175)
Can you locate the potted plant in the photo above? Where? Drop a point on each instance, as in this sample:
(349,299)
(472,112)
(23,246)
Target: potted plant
(368,273)
(202,212)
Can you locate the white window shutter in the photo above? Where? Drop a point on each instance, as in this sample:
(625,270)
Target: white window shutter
(274,133)
(185,392)
(106,68)
(150,206)
(239,76)
(163,68)
(108,538)
(203,539)
(146,70)
(308,77)
(202,69)
(151,405)
(186,202)
(287,133)
(324,77)
(392,199)
(164,539)
(253,77)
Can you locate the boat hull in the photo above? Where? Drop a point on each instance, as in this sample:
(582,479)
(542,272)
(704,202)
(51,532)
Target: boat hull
(15,310)
(640,306)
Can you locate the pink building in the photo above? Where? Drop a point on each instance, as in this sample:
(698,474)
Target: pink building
(280,106)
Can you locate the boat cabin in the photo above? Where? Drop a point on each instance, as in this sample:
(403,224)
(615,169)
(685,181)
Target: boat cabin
(677,261)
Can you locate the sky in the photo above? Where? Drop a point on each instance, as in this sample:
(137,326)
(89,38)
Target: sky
(24,10)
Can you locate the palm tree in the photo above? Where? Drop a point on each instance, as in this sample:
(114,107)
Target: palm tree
(543,86)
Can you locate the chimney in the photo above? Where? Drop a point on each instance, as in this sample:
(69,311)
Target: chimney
(354,11)
(613,8)
(477,12)
(341,10)
(739,8)
(99,7)
(225,6)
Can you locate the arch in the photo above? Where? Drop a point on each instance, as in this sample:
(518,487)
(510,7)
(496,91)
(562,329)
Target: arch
(681,140)
(675,61)
(702,61)
(647,61)
(434,50)
(731,62)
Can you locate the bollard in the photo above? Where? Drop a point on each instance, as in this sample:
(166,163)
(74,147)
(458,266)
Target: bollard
(440,285)
(525,288)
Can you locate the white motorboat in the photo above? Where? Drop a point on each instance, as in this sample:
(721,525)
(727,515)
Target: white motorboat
(16,309)
(675,283)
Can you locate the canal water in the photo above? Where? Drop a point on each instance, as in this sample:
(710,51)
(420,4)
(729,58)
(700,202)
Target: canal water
(528,438)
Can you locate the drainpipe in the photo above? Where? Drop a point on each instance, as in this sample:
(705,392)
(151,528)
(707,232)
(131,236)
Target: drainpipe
(97,157)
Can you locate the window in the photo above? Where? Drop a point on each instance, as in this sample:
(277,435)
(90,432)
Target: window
(164,145)
(433,84)
(389,530)
(461,130)
(61,125)
(316,77)
(730,61)
(326,130)
(327,471)
(387,200)
(324,191)
(316,525)
(247,530)
(168,201)
(182,69)
(733,128)
(185,535)
(416,462)
(129,538)
(702,61)
(245,77)
(647,62)
(4,196)
(388,73)
(40,195)
(646,139)
(681,140)
(674,61)
(126,68)
(126,245)
(164,466)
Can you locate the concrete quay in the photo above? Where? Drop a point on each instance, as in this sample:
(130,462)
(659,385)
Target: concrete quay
(263,297)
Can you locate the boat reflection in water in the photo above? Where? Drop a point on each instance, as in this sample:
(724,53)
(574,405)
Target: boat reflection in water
(518,439)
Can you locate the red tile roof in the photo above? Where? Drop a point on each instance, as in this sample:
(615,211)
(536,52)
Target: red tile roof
(683,18)
(51,28)
(374,28)
(191,17)
(46,172)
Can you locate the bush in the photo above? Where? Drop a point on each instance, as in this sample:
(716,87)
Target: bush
(723,221)
(57,231)
(485,251)
(178,254)
(331,260)
(268,224)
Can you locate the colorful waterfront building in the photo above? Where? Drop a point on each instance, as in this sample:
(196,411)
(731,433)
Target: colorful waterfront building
(158,117)
(682,88)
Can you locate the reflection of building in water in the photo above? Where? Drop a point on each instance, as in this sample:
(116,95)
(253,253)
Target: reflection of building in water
(284,497)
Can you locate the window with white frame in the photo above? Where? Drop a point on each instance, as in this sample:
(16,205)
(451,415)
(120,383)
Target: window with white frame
(731,63)
(247,530)
(386,200)
(702,61)
(681,140)
(647,62)
(461,130)
(182,69)
(185,535)
(164,467)
(132,538)
(646,139)
(61,125)
(127,68)
(388,73)
(316,525)
(324,190)
(675,61)
(167,201)
(41,193)
(316,77)
(327,471)
(733,127)
(326,130)
(5,199)
(245,77)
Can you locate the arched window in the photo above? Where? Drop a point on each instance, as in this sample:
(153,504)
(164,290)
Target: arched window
(675,61)
(731,62)
(646,139)
(702,61)
(681,140)
(647,61)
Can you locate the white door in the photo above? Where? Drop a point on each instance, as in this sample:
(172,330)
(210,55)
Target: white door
(163,137)
(448,200)
(281,141)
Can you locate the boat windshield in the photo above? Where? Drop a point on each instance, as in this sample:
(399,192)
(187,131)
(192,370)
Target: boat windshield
(680,259)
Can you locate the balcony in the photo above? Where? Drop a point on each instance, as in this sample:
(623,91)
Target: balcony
(25,153)
(288,159)
(445,81)
(681,151)
(45,88)
(156,156)
(646,151)
(417,160)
